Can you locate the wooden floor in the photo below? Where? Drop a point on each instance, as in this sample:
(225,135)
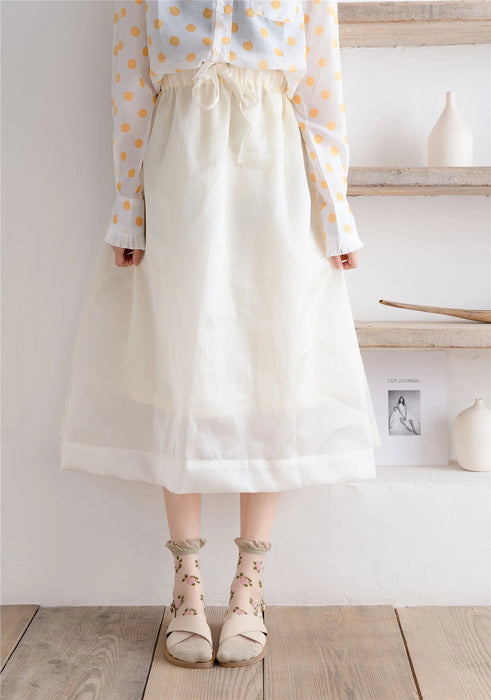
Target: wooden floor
(339,652)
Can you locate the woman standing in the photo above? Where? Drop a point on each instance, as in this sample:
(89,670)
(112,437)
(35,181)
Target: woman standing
(226,358)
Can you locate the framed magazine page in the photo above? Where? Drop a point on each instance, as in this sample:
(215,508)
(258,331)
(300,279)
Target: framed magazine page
(409,394)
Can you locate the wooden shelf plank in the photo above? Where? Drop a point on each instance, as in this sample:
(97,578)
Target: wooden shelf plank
(419,181)
(375,24)
(394,334)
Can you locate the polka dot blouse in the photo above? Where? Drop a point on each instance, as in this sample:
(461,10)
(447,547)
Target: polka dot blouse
(299,37)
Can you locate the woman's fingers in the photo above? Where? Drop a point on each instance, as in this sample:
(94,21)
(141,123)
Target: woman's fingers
(137,256)
(124,257)
(348,260)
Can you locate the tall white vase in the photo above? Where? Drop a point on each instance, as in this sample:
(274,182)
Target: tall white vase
(450,142)
(472,437)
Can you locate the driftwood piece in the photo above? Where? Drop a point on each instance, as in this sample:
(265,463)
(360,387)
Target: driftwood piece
(481,315)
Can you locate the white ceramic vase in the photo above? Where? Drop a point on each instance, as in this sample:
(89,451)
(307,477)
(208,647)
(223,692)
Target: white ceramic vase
(450,142)
(472,437)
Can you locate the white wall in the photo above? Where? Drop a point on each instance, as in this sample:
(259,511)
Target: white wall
(68,538)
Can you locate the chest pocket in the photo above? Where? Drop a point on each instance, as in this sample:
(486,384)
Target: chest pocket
(279,10)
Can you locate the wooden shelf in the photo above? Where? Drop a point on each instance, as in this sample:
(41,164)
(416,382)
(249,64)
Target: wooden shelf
(372,24)
(374,334)
(419,181)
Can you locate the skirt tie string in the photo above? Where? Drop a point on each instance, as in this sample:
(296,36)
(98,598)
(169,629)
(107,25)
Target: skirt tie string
(211,72)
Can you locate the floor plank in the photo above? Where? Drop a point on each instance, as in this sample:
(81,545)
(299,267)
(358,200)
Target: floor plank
(336,652)
(84,651)
(171,682)
(14,620)
(450,650)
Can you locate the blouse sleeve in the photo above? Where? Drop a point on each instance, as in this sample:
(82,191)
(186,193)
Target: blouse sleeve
(133,98)
(320,111)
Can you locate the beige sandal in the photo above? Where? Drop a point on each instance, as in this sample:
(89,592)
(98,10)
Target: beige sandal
(250,627)
(185,626)
(189,625)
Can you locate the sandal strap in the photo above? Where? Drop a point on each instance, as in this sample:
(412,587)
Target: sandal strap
(252,627)
(192,624)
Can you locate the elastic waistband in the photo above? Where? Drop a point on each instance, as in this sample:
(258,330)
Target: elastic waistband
(271,79)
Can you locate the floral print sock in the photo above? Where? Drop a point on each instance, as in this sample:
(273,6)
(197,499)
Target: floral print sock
(246,598)
(187,599)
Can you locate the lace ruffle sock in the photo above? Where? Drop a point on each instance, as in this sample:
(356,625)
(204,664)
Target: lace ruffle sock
(243,634)
(188,641)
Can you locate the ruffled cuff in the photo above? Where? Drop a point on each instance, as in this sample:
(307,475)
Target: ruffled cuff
(127,225)
(189,546)
(339,229)
(255,546)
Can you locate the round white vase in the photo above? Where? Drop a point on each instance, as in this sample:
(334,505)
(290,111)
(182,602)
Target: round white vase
(472,437)
(450,143)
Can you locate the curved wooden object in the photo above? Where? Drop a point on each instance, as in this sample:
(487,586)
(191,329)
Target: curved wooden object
(483,316)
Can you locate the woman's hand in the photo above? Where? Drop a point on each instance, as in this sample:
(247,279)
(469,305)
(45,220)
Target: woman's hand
(348,260)
(124,257)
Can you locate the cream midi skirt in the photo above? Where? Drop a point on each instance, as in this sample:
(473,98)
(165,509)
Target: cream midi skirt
(228,360)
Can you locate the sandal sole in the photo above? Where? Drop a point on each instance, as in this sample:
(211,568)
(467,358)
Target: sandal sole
(244,662)
(188,664)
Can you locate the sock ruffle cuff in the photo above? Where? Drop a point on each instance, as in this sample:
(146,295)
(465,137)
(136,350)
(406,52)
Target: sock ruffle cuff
(255,546)
(189,546)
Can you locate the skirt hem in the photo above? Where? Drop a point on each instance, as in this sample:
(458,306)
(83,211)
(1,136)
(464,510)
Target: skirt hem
(221,476)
